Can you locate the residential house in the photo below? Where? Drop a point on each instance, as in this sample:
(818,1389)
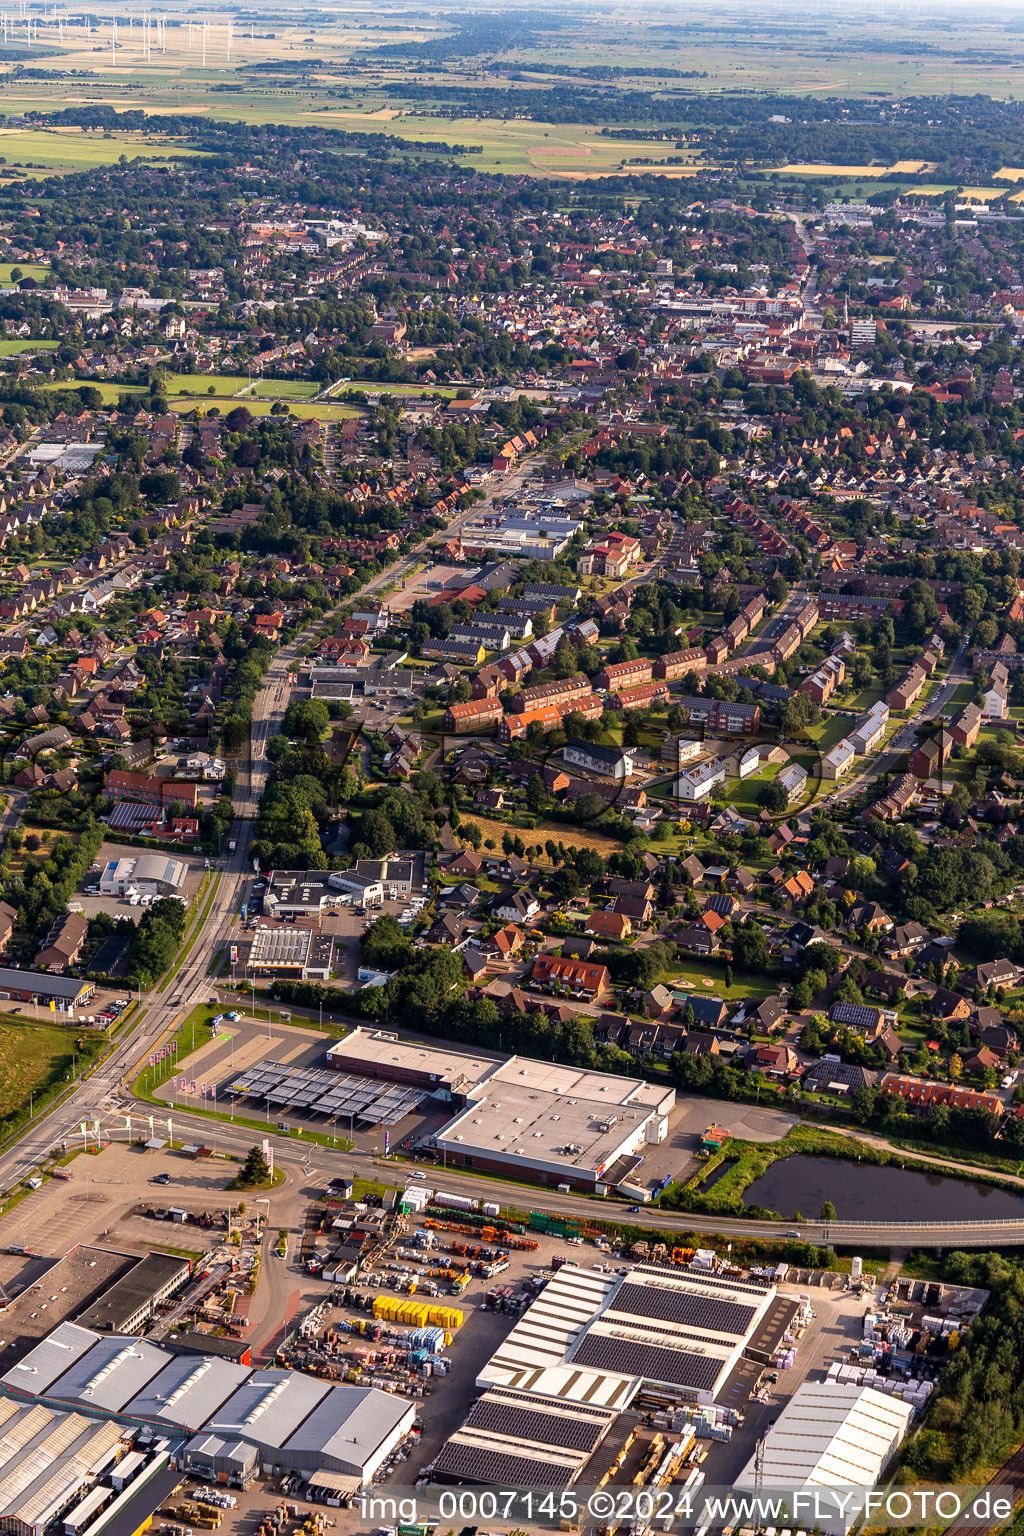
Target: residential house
(579,977)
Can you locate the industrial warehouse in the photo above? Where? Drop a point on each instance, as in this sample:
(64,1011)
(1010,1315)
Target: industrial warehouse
(227,1420)
(48,1458)
(668,1334)
(535,1120)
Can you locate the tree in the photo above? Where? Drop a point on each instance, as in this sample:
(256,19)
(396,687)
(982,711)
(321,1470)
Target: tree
(750,947)
(773,796)
(828,1211)
(255,1169)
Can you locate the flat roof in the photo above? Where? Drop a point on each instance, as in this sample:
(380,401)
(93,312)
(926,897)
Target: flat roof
(513,1122)
(119,1304)
(379,1048)
(280,946)
(63,1287)
(538,1110)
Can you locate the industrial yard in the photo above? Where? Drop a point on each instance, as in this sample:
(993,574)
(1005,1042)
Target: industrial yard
(230,1339)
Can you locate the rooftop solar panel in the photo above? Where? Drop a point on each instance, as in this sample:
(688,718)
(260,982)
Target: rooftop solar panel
(554,1428)
(473,1464)
(605,1352)
(683,1308)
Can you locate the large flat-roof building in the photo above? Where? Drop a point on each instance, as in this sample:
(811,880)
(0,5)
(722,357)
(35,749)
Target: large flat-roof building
(667,1334)
(130,1302)
(287,951)
(537,1120)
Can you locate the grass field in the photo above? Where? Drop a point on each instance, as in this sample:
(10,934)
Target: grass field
(49,151)
(110,393)
(27,269)
(16,348)
(32,1058)
(707,977)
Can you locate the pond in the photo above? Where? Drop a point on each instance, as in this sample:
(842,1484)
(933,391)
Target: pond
(719,1173)
(868,1192)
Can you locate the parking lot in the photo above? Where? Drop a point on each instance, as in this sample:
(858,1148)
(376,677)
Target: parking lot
(97,1204)
(119,906)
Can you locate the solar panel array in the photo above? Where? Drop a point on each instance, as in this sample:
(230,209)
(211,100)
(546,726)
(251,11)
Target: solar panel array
(321,1092)
(474,1464)
(561,1429)
(683,1308)
(607,1353)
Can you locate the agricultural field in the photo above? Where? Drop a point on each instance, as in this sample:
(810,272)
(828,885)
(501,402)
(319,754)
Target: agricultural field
(55,151)
(558,831)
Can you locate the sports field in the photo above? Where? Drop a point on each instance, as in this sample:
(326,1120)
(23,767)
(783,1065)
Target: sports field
(223,397)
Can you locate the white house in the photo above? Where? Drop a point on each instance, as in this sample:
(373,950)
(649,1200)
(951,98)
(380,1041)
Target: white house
(839,761)
(700,781)
(609,762)
(793,779)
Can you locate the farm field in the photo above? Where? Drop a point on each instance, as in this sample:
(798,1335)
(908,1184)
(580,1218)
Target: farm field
(558,831)
(49,151)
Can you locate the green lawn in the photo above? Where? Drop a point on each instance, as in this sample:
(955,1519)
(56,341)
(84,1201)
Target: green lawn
(109,393)
(286,389)
(743,793)
(201,384)
(695,973)
(829,730)
(49,150)
(16,348)
(27,269)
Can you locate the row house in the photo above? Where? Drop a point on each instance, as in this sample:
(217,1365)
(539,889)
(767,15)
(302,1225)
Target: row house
(549,716)
(472,715)
(643,696)
(677,663)
(908,689)
(624,674)
(560,691)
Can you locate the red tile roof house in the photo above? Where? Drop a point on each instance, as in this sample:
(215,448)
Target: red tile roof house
(774,1060)
(609,925)
(578,977)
